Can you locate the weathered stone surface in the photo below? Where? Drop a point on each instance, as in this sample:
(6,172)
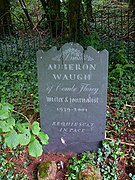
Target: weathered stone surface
(47,170)
(90,173)
(72,95)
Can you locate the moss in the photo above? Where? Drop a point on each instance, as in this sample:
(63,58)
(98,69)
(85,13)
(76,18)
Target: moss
(43,169)
(90,173)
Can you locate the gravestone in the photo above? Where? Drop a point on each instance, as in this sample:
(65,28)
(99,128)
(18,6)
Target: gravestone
(72,95)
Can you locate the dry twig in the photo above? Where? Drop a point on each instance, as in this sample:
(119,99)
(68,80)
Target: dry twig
(128,144)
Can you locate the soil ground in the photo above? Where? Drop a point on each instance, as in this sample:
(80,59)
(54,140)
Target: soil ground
(62,164)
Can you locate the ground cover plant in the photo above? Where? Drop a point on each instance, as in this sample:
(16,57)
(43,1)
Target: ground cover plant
(15,134)
(19,87)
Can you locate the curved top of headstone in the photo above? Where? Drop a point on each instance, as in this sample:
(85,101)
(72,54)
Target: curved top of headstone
(72,49)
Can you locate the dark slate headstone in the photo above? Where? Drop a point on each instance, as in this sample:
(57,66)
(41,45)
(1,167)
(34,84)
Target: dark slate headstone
(73,94)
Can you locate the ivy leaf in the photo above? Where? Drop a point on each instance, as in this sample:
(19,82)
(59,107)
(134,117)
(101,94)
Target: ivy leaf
(35,148)
(12,139)
(4,114)
(24,138)
(35,128)
(43,137)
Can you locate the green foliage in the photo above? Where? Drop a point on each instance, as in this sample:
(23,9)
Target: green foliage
(43,138)
(78,163)
(35,148)
(7,169)
(7,122)
(132,176)
(93,40)
(18,83)
(24,137)
(107,159)
(120,66)
(34,9)
(14,134)
(101,2)
(35,128)
(121,78)
(12,139)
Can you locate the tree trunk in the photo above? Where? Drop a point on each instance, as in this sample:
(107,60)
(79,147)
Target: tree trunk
(5,17)
(89,9)
(54,17)
(23,5)
(74,19)
(88,13)
(45,6)
(52,12)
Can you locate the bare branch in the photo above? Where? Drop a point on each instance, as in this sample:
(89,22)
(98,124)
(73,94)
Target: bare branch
(23,5)
(128,144)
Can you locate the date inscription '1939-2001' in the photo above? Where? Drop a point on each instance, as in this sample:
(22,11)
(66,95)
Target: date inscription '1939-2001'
(72,91)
